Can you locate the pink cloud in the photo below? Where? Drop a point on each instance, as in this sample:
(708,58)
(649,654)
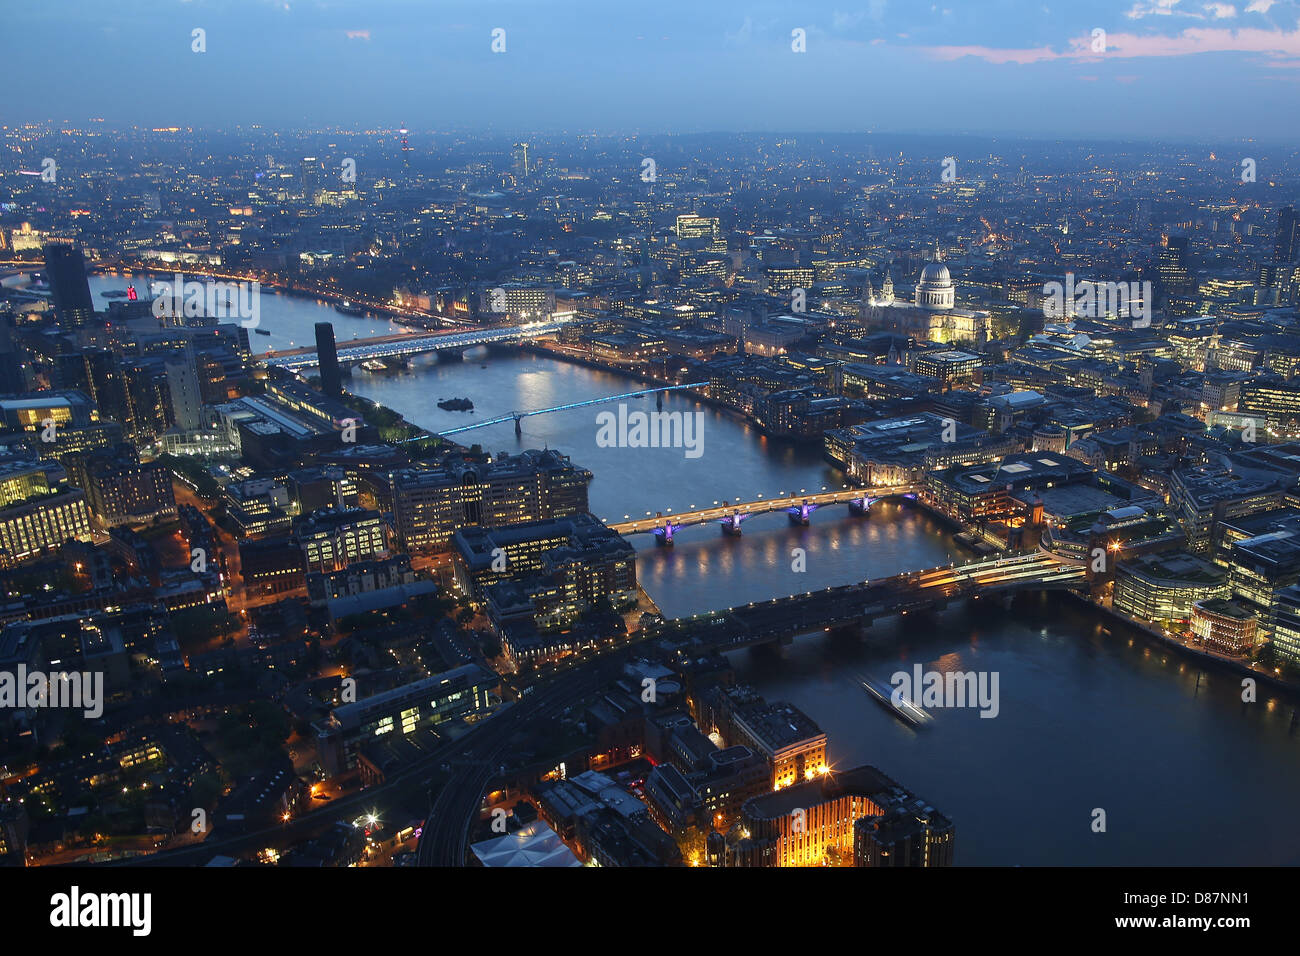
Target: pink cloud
(1126,45)
(995,55)
(357,34)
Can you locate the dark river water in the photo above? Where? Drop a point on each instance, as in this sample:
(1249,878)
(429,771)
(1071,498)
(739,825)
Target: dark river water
(1090,716)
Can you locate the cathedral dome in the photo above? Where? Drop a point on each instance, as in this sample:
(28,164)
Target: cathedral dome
(935,291)
(935,273)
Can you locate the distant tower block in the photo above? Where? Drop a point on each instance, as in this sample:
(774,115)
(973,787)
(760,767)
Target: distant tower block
(523,168)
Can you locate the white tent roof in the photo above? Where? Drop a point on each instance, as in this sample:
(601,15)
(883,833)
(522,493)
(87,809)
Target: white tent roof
(533,845)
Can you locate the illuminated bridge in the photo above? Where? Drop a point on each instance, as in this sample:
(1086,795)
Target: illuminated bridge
(853,608)
(517,417)
(400,346)
(799,506)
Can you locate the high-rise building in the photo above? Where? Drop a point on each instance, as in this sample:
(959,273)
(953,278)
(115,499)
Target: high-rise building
(406,148)
(522,168)
(1176,279)
(183,386)
(1286,247)
(65,267)
(692,226)
(12,378)
(1171,262)
(331,378)
(311,175)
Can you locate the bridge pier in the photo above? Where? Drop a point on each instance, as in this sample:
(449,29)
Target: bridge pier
(664,536)
(519,428)
(856,631)
(731,526)
(800,516)
(860,506)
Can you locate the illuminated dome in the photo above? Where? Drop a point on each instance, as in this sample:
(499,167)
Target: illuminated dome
(936,272)
(935,292)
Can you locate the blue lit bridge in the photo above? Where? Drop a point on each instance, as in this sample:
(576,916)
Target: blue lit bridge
(729,516)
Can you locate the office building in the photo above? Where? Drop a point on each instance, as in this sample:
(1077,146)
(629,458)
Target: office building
(120,489)
(523,169)
(812,822)
(184,393)
(581,558)
(429,504)
(1224,626)
(403,710)
(1286,246)
(1163,587)
(1202,498)
(1261,566)
(1284,622)
(949,367)
(787,738)
(40,525)
(334,538)
(65,267)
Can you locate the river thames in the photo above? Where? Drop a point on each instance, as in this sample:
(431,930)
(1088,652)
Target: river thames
(1090,717)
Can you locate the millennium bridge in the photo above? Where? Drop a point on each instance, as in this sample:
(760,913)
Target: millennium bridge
(852,608)
(520,416)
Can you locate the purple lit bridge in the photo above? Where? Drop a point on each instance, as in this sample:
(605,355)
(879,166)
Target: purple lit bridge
(730,516)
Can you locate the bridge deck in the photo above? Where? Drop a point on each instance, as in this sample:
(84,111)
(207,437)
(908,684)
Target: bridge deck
(856,604)
(415,343)
(760,506)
